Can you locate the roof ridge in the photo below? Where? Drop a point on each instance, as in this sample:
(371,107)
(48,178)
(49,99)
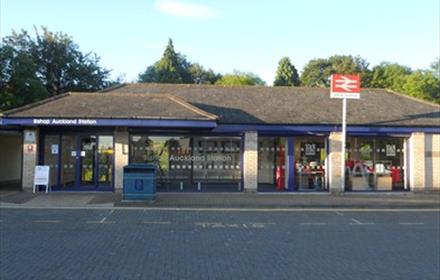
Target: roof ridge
(413,98)
(113,87)
(191,107)
(38,103)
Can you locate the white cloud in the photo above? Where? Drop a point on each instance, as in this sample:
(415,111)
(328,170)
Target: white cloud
(187,10)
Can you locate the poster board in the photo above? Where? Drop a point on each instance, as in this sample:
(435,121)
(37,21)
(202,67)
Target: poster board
(41,176)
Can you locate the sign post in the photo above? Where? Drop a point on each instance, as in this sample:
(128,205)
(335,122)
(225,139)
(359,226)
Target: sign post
(344,87)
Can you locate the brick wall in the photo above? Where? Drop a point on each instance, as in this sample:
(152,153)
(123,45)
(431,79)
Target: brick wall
(432,162)
(121,156)
(30,152)
(250,161)
(417,161)
(334,161)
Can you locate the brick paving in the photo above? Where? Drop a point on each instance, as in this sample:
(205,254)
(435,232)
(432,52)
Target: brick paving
(146,244)
(226,200)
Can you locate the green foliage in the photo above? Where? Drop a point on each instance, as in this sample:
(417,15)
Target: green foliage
(389,75)
(286,75)
(240,79)
(33,69)
(422,84)
(174,68)
(318,71)
(202,76)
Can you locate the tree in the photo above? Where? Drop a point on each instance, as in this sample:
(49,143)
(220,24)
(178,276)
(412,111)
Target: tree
(286,75)
(422,84)
(317,72)
(240,79)
(173,67)
(389,75)
(202,76)
(47,65)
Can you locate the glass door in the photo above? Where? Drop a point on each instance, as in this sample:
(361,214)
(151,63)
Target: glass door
(68,152)
(87,158)
(105,161)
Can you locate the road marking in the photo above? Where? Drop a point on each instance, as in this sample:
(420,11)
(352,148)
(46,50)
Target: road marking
(111,212)
(157,222)
(411,224)
(339,213)
(313,224)
(213,209)
(357,222)
(103,221)
(46,221)
(231,225)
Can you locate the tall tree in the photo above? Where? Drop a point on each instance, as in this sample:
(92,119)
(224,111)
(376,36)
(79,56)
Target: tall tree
(389,75)
(286,75)
(317,72)
(19,81)
(240,79)
(173,67)
(202,76)
(422,84)
(47,65)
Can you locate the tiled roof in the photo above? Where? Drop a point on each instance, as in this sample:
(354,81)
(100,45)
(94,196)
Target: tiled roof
(237,105)
(113,105)
(296,105)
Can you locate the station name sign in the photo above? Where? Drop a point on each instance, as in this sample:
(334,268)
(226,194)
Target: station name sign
(64,121)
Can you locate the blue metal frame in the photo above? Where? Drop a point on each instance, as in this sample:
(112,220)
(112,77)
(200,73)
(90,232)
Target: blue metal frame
(320,130)
(291,163)
(92,122)
(77,185)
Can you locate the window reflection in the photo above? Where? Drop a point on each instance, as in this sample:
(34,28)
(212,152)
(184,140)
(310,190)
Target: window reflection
(374,164)
(191,163)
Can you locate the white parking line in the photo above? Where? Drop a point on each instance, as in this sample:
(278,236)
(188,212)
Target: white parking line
(410,224)
(339,213)
(157,222)
(357,222)
(313,224)
(103,221)
(46,221)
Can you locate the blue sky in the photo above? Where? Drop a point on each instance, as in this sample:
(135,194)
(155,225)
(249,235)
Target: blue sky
(245,35)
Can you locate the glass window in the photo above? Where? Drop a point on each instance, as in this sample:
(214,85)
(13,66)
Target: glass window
(272,163)
(310,156)
(51,153)
(105,160)
(191,163)
(68,161)
(374,164)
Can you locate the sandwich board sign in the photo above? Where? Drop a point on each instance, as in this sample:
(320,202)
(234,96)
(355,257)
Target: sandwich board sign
(41,177)
(344,86)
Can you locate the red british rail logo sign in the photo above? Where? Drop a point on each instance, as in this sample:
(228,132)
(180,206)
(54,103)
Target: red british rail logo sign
(345,86)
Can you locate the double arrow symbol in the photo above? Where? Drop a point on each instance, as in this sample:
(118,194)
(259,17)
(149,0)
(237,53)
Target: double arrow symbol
(345,83)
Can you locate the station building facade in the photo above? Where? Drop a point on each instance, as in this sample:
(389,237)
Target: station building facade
(215,138)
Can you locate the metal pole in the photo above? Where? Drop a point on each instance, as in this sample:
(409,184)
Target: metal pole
(344,124)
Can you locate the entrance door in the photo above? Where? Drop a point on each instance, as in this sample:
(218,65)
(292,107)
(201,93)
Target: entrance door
(87,158)
(86,162)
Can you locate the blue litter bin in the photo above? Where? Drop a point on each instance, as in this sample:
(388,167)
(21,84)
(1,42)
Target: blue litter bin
(139,182)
